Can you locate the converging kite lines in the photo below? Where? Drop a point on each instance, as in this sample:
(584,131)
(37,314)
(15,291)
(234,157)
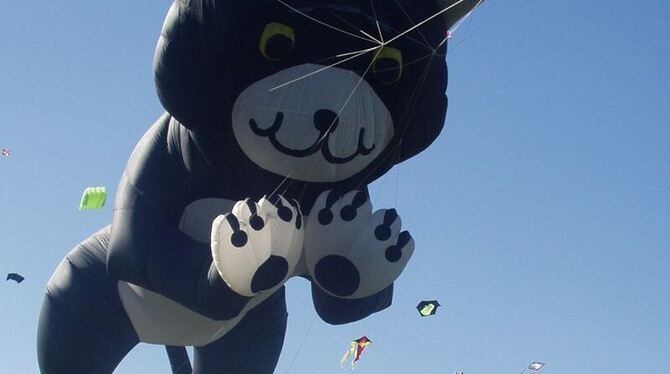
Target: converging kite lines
(379,44)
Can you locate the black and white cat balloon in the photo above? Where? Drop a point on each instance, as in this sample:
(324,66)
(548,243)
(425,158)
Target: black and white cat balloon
(279,114)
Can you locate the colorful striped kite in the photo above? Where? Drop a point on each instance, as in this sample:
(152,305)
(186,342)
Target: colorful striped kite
(356,349)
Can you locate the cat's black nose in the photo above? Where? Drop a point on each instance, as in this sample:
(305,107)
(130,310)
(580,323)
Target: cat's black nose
(325,121)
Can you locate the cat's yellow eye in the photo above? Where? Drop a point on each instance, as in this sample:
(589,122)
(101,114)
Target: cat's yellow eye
(277,41)
(388,65)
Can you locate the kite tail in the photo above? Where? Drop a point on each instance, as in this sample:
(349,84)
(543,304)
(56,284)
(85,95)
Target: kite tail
(348,353)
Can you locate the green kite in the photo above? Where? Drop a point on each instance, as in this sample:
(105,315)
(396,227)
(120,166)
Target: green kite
(93,198)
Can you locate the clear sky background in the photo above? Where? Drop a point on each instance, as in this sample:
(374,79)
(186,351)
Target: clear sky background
(541,214)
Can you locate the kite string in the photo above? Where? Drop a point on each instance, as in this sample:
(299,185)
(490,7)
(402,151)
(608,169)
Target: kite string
(412,105)
(352,55)
(311,325)
(415,94)
(327,132)
(324,23)
(459,23)
(374,14)
(424,21)
(469,33)
(425,45)
(409,109)
(320,140)
(380,43)
(402,9)
(304,339)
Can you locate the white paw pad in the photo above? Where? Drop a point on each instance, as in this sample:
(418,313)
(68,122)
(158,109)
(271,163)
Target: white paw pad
(351,252)
(257,246)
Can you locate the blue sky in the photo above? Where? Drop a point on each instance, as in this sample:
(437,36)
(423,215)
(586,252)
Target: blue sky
(541,214)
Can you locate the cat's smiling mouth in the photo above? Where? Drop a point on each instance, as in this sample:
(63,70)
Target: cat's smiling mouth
(326,122)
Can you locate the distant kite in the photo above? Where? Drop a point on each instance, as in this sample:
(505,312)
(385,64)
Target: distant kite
(6,152)
(15,277)
(427,308)
(356,349)
(93,198)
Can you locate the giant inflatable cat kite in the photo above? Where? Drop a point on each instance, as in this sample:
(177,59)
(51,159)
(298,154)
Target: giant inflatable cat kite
(279,113)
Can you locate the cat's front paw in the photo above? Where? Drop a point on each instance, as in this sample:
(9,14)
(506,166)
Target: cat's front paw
(257,246)
(351,252)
